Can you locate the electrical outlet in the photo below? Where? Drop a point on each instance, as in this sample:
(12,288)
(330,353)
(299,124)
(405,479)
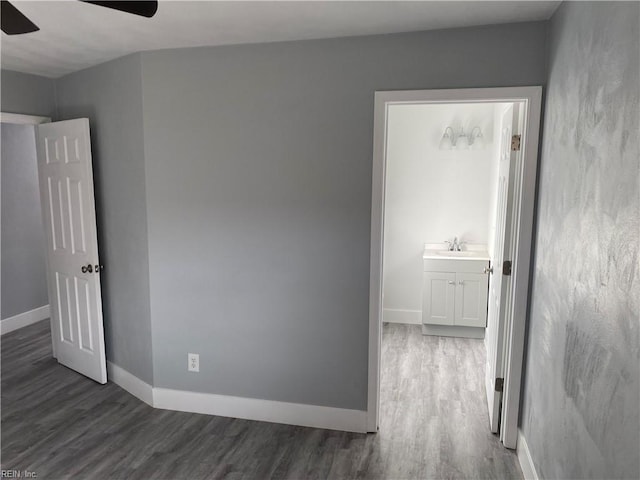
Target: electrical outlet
(193,362)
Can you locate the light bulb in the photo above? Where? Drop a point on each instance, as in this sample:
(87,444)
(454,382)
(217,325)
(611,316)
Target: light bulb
(462,142)
(477,139)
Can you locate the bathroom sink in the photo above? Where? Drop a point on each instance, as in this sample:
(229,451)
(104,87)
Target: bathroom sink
(450,253)
(472,252)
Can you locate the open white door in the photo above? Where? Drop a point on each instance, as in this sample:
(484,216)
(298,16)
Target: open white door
(499,283)
(68,211)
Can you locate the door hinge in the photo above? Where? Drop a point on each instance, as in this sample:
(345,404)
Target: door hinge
(506,267)
(499,384)
(515,143)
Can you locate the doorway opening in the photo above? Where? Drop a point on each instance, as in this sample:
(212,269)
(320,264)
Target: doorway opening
(452,213)
(62,207)
(24,297)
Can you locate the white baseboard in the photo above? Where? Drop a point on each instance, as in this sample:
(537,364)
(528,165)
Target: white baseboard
(261,410)
(238,407)
(24,319)
(524,457)
(130,383)
(395,315)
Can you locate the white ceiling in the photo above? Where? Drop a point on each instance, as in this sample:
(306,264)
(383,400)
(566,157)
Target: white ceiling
(75,35)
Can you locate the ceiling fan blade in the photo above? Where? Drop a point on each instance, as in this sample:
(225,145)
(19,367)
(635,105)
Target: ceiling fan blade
(143,8)
(13,21)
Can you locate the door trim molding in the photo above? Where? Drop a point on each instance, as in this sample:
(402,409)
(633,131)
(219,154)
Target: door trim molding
(24,319)
(21,119)
(531,97)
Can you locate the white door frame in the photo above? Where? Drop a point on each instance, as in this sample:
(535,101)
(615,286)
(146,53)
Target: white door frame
(531,97)
(21,119)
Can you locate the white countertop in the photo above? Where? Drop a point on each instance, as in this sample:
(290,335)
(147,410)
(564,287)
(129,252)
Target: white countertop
(439,251)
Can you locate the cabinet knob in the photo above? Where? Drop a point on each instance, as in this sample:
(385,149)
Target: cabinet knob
(451,282)
(461,282)
(488,269)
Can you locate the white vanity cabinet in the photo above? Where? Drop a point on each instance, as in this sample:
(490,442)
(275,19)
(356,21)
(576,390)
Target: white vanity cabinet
(454,294)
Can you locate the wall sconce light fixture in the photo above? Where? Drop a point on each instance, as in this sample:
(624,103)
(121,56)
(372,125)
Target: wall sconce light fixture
(461,141)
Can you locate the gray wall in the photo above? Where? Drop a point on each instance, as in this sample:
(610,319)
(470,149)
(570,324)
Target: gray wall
(581,396)
(110,95)
(23,266)
(258,163)
(27,94)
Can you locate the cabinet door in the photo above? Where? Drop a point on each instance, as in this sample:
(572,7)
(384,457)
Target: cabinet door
(471,300)
(438,293)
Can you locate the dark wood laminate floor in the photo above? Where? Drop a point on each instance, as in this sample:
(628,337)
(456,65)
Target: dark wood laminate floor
(59,424)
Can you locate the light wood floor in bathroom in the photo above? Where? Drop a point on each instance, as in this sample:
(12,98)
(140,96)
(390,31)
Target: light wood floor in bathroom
(434,424)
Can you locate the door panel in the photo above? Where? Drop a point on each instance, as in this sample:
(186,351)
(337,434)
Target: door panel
(66,186)
(498,283)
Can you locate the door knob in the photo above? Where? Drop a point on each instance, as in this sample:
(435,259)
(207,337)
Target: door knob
(488,269)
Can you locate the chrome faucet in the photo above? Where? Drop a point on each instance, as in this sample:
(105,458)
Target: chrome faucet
(454,246)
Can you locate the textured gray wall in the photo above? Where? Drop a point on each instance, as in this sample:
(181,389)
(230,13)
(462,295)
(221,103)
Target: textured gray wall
(581,396)
(110,95)
(258,163)
(24,275)
(27,94)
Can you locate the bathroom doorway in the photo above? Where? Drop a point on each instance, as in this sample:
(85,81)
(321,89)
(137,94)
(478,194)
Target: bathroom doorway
(436,179)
